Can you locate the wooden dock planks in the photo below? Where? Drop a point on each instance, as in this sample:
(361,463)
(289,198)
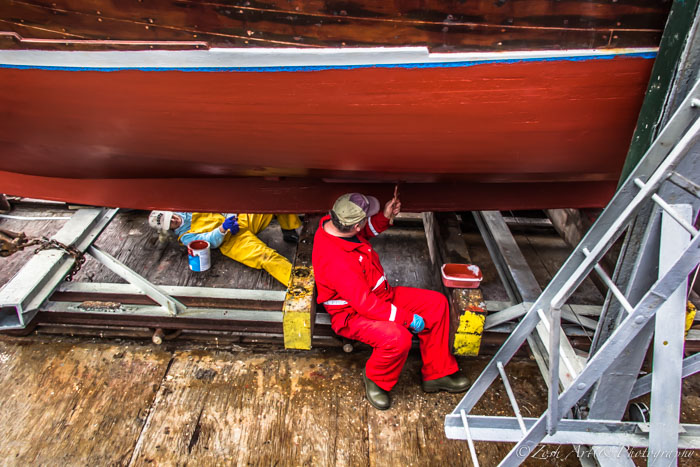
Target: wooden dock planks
(243,408)
(79,402)
(74,403)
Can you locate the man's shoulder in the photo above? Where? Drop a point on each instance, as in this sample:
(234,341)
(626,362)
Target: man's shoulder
(324,244)
(328,250)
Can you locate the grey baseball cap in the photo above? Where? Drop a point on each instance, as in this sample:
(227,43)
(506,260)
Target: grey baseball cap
(352,208)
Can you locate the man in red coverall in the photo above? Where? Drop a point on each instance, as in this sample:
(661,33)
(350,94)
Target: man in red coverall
(365,307)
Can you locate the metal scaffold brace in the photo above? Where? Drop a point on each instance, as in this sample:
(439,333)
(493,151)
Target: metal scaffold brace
(657,207)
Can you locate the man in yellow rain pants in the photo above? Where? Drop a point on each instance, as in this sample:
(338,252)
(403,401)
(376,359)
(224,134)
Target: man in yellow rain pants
(235,235)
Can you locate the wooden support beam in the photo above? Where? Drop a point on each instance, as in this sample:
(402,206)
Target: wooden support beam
(467,307)
(572,225)
(4,204)
(300,302)
(569,224)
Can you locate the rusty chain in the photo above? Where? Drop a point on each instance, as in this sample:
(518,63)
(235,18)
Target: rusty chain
(12,242)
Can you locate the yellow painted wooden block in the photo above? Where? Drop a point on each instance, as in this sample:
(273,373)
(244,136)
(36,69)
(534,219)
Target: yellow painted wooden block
(472,309)
(471,322)
(297,331)
(299,309)
(690,312)
(468,336)
(467,345)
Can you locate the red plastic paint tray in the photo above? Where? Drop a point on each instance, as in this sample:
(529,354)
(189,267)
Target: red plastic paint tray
(461,276)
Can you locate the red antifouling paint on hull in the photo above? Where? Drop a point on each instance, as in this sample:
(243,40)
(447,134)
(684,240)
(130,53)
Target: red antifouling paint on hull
(303,195)
(527,134)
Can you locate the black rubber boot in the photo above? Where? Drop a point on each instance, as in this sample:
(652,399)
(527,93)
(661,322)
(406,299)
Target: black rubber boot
(456,382)
(378,397)
(290,236)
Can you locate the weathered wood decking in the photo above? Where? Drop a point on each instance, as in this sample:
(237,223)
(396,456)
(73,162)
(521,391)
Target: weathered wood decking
(78,402)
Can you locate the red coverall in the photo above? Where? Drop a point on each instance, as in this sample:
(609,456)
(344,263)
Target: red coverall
(365,307)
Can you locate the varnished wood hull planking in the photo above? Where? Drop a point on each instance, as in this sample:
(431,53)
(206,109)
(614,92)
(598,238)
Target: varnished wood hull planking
(500,134)
(440,25)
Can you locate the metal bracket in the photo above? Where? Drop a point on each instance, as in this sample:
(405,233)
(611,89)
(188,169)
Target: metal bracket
(171,306)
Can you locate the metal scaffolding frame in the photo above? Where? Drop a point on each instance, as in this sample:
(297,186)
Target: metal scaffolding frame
(657,205)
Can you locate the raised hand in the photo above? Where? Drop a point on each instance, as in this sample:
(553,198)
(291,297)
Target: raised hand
(393,206)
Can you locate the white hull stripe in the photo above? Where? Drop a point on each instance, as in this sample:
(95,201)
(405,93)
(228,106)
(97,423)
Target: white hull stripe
(371,227)
(289,59)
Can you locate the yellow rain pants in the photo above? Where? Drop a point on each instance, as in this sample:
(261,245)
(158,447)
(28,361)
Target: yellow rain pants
(245,247)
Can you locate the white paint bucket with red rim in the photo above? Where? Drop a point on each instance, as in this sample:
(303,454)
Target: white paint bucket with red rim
(199,255)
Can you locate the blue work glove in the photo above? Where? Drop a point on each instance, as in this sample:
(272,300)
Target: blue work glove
(417,325)
(231,224)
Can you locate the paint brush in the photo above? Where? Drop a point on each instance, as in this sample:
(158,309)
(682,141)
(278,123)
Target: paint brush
(396,196)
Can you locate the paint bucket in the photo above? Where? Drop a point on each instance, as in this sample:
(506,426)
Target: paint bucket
(461,276)
(199,255)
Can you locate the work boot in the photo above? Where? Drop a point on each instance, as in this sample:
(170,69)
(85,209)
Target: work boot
(456,382)
(290,236)
(378,397)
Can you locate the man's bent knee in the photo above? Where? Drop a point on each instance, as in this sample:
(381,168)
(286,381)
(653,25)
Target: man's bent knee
(398,341)
(438,298)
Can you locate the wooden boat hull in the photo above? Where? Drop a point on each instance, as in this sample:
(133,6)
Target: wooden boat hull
(489,134)
(302,195)
(475,25)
